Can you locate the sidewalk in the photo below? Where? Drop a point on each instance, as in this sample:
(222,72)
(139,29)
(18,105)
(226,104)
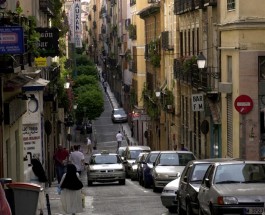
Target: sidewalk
(54,197)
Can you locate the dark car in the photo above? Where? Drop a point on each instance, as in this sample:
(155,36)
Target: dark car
(119,115)
(189,185)
(146,178)
(233,187)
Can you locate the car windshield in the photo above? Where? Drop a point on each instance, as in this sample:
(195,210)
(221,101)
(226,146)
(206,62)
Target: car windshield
(198,172)
(134,154)
(240,173)
(119,111)
(175,159)
(152,158)
(105,159)
(121,152)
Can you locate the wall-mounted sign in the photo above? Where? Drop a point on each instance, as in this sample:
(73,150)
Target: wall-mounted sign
(77,24)
(41,62)
(243,104)
(197,102)
(49,42)
(11,40)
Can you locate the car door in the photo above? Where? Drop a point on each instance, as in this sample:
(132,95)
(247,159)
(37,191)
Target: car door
(183,186)
(204,195)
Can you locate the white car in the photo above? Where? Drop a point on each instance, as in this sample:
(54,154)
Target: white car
(168,166)
(105,167)
(168,195)
(233,187)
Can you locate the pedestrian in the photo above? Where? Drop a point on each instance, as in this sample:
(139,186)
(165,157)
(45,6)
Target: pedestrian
(119,138)
(105,85)
(77,158)
(183,148)
(71,191)
(38,176)
(4,205)
(89,145)
(60,159)
(132,133)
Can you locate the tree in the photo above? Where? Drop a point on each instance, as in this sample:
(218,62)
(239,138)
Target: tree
(87,70)
(90,104)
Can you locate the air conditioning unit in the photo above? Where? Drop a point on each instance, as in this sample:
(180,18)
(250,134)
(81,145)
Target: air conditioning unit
(225,87)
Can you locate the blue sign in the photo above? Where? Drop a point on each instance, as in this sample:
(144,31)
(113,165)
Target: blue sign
(11,40)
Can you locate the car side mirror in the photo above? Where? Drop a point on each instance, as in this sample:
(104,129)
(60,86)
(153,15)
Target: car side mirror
(185,179)
(153,164)
(178,174)
(207,182)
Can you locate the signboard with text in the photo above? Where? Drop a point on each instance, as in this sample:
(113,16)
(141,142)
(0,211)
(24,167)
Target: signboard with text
(11,40)
(197,102)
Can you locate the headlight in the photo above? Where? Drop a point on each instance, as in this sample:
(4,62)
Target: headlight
(162,176)
(134,167)
(226,200)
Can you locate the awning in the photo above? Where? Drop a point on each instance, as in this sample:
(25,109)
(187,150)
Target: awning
(15,83)
(215,111)
(35,85)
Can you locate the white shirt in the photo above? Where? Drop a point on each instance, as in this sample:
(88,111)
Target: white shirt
(119,137)
(88,141)
(77,158)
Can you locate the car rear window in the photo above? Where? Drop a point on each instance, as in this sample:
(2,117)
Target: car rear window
(105,159)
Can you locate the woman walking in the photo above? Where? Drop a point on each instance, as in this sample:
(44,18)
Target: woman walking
(71,196)
(38,176)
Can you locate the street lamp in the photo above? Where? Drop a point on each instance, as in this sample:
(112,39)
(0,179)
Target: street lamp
(201,61)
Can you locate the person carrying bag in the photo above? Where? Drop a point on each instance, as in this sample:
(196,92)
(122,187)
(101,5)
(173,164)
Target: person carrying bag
(71,191)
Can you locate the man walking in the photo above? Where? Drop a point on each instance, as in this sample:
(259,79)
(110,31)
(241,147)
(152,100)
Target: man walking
(60,160)
(119,138)
(89,145)
(77,158)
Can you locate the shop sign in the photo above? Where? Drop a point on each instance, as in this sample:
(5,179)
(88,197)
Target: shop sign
(11,40)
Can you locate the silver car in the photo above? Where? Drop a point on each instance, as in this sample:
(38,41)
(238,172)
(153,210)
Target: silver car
(168,165)
(130,155)
(168,195)
(105,167)
(119,115)
(233,187)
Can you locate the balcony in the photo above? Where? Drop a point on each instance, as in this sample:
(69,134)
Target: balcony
(47,7)
(210,2)
(184,6)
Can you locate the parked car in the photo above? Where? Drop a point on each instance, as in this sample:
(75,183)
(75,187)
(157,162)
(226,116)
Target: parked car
(145,176)
(168,165)
(130,155)
(233,187)
(105,167)
(168,195)
(135,166)
(189,185)
(119,115)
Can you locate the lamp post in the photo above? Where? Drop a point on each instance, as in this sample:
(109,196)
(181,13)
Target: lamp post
(201,61)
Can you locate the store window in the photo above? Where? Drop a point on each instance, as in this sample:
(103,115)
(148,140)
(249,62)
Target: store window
(231,4)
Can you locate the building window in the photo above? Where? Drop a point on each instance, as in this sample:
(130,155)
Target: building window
(261,68)
(231,4)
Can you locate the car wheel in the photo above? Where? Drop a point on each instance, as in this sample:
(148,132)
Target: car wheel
(155,189)
(188,209)
(89,183)
(122,182)
(171,209)
(200,211)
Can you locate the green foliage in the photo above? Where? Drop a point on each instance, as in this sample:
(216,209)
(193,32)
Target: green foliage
(83,60)
(153,53)
(59,19)
(82,80)
(87,70)
(90,104)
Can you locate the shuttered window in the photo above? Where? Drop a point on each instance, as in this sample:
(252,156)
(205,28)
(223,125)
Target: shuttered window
(229,125)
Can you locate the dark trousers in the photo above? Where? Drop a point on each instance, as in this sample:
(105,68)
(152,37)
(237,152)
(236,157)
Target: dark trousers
(119,144)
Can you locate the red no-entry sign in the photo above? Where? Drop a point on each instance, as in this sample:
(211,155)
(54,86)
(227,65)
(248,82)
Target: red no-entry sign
(243,104)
